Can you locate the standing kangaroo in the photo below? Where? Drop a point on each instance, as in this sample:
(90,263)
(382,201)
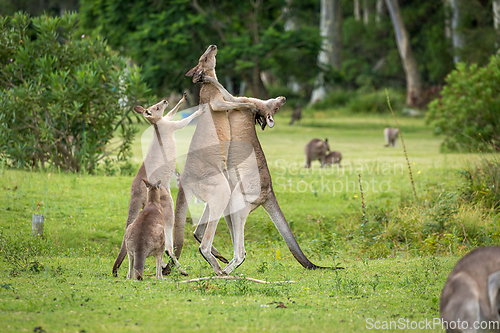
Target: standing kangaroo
(251,189)
(145,237)
(159,164)
(391,136)
(316,149)
(204,172)
(471,293)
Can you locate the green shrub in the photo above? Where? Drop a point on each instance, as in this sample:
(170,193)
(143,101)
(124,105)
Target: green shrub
(63,95)
(361,101)
(483,184)
(468,113)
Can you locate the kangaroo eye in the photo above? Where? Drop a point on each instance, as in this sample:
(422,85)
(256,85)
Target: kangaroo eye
(157,108)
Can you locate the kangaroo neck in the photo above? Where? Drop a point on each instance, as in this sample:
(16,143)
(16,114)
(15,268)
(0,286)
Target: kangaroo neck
(153,196)
(242,125)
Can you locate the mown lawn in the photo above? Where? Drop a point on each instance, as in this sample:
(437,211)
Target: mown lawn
(63,283)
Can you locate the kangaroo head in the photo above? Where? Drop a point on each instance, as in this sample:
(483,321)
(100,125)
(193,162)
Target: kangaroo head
(153,191)
(154,113)
(205,64)
(265,114)
(327,145)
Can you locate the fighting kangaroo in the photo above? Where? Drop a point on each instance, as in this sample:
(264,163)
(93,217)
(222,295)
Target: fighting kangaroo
(471,293)
(391,136)
(252,189)
(145,237)
(159,164)
(316,149)
(204,172)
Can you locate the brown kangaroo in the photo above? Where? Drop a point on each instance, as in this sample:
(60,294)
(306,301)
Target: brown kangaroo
(159,164)
(471,293)
(145,237)
(204,172)
(316,149)
(252,189)
(391,136)
(333,157)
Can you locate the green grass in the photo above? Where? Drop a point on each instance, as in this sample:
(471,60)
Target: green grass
(396,263)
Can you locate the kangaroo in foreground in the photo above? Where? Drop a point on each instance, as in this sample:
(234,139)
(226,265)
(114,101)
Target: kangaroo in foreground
(391,136)
(252,189)
(333,157)
(159,164)
(471,293)
(145,237)
(316,149)
(204,172)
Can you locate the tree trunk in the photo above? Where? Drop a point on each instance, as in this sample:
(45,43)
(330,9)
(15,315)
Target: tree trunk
(379,10)
(413,85)
(496,18)
(456,36)
(331,31)
(357,13)
(366,12)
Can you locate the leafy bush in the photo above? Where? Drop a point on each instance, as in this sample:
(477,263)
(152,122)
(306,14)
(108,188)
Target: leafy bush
(468,114)
(62,95)
(361,101)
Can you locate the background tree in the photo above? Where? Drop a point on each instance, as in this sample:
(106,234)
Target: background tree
(62,95)
(413,83)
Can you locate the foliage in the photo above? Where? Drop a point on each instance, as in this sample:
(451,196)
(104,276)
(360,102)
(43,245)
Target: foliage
(167,39)
(361,101)
(63,96)
(467,113)
(482,183)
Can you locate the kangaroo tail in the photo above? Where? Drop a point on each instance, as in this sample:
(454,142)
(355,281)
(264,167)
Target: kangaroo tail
(139,262)
(273,209)
(119,259)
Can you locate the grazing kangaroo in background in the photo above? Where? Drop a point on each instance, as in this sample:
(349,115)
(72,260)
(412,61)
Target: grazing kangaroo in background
(159,164)
(471,293)
(333,157)
(297,114)
(391,136)
(204,172)
(145,237)
(316,149)
(252,189)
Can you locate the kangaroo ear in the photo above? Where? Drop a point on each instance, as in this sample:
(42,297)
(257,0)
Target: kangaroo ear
(192,71)
(139,109)
(157,185)
(148,184)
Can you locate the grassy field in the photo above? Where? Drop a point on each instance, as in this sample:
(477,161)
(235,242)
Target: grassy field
(396,259)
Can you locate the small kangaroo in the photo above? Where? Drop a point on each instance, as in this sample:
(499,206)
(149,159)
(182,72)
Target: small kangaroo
(297,113)
(316,149)
(391,136)
(471,293)
(159,164)
(333,157)
(145,237)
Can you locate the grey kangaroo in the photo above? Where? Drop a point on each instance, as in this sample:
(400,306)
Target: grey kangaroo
(159,164)
(316,149)
(333,157)
(145,237)
(471,293)
(251,189)
(391,136)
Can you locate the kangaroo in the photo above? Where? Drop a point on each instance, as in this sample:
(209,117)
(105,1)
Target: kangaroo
(333,157)
(159,164)
(145,237)
(297,114)
(204,172)
(391,136)
(316,150)
(252,189)
(471,293)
